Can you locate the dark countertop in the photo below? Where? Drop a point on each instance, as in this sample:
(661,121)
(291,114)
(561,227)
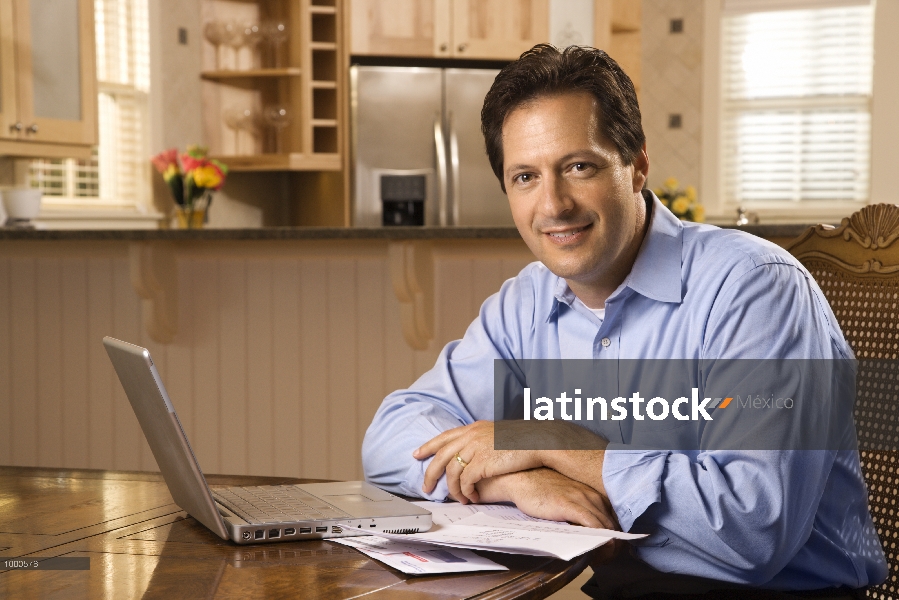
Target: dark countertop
(316,233)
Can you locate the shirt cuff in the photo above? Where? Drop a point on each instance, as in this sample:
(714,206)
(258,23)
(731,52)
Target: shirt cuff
(633,480)
(416,476)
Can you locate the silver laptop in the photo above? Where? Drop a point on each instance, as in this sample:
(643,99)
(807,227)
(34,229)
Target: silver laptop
(251,514)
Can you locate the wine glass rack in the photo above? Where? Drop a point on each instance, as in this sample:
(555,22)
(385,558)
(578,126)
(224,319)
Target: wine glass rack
(303,74)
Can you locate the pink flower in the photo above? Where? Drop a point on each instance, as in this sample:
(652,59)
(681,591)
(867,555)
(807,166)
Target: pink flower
(164,161)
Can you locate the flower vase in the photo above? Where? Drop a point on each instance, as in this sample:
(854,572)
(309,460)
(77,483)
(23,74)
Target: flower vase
(191,217)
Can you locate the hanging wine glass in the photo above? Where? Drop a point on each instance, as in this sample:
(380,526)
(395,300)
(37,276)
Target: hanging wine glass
(276,34)
(252,37)
(215,33)
(234,39)
(278,118)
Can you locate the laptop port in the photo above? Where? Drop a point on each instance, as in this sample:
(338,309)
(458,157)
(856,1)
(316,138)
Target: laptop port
(336,529)
(321,530)
(372,525)
(274,533)
(290,531)
(305,530)
(259,534)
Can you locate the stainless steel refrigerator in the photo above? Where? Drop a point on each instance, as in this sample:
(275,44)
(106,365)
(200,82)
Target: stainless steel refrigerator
(418,150)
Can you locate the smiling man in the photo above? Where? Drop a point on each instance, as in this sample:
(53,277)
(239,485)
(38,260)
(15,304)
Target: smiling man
(619,277)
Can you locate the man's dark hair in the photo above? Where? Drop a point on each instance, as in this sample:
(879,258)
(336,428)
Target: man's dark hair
(545,71)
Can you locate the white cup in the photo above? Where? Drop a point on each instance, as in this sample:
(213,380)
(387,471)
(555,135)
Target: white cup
(22,204)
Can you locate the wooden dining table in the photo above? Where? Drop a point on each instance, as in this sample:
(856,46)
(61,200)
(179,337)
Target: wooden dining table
(139,544)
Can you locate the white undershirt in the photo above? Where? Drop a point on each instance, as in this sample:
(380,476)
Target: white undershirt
(599,312)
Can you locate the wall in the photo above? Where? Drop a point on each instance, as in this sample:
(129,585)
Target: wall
(248,199)
(672,84)
(283,353)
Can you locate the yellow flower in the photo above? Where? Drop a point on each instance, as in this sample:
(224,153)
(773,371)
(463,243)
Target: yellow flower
(698,213)
(671,183)
(171,171)
(207,176)
(680,205)
(691,193)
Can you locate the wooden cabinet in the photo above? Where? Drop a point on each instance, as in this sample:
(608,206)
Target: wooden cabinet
(617,25)
(485,29)
(400,27)
(482,29)
(276,106)
(498,29)
(626,40)
(48,84)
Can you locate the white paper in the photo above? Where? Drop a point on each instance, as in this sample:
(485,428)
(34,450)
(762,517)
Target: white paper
(503,528)
(513,541)
(444,513)
(489,520)
(418,558)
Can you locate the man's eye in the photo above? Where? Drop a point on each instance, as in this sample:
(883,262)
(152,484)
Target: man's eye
(525,178)
(581,166)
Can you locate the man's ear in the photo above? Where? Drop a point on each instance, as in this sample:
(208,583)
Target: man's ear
(641,169)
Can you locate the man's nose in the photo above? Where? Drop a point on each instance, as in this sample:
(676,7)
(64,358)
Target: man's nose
(556,200)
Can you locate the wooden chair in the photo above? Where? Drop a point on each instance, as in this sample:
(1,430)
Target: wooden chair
(857,267)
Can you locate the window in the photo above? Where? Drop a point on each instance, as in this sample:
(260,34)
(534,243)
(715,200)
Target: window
(796,101)
(118,174)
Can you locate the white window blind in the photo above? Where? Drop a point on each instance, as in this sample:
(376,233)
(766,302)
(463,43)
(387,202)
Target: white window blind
(796,103)
(118,174)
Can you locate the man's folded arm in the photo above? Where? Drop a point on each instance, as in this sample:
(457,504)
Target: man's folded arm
(457,391)
(405,421)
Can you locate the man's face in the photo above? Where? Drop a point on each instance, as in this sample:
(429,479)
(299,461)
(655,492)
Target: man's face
(575,203)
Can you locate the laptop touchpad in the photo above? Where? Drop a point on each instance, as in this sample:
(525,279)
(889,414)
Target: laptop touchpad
(353,498)
(359,505)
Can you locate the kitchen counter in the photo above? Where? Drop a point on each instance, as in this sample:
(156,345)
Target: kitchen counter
(318,233)
(305,330)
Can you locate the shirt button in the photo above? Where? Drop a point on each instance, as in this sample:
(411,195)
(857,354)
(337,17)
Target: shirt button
(606,342)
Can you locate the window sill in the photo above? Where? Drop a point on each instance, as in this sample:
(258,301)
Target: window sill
(97,218)
(787,213)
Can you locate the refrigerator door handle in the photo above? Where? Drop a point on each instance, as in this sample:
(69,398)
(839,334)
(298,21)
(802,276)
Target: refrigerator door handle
(454,165)
(440,147)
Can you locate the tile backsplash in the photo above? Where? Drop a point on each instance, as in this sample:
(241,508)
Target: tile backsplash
(672,86)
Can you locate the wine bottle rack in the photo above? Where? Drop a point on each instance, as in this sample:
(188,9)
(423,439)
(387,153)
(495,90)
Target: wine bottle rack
(303,76)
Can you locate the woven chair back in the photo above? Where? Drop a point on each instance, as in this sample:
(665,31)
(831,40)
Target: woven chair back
(857,267)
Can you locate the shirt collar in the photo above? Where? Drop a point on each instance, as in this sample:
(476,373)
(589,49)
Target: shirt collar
(656,273)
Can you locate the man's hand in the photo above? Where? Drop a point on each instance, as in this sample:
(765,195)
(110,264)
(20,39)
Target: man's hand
(474,445)
(555,444)
(546,494)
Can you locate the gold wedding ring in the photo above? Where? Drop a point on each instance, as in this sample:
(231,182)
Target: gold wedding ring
(461,462)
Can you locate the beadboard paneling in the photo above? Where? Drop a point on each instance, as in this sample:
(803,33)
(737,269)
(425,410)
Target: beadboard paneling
(283,351)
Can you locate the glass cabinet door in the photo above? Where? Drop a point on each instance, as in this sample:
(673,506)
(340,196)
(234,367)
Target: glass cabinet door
(55,71)
(8,115)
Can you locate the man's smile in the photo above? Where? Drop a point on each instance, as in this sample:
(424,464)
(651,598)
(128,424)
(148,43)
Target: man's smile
(569,234)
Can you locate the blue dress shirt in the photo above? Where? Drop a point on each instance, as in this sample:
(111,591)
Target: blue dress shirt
(775,519)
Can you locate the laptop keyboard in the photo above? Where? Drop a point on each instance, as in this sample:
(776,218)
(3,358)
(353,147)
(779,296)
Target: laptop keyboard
(276,504)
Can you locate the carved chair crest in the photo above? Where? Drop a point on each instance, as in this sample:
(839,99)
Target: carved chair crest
(867,237)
